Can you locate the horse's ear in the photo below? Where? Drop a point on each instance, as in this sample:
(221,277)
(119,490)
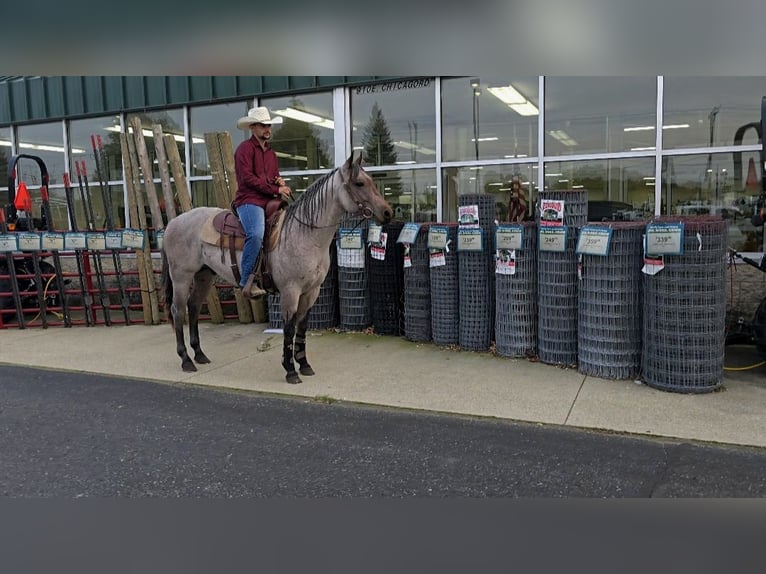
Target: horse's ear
(359,160)
(349,162)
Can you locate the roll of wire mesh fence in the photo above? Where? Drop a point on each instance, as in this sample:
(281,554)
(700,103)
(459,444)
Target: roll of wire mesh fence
(353,290)
(387,282)
(516,300)
(685,311)
(610,305)
(557,281)
(445,294)
(417,289)
(476,271)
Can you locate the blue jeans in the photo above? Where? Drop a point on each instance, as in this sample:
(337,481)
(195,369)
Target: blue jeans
(253,221)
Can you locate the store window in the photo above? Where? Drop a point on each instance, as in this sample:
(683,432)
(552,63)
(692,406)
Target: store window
(599,114)
(5,155)
(724,184)
(513,186)
(306,138)
(171,122)
(711,112)
(411,193)
(394,122)
(618,189)
(489,117)
(216,118)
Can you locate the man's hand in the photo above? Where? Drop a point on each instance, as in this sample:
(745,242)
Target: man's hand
(284,191)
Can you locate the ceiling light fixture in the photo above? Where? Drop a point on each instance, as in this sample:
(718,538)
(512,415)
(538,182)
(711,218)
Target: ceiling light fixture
(306,117)
(518,103)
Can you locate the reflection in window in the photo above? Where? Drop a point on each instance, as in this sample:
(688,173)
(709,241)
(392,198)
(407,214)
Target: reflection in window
(394,125)
(491,117)
(306,137)
(706,184)
(411,193)
(5,155)
(171,122)
(618,189)
(512,186)
(712,111)
(215,118)
(599,114)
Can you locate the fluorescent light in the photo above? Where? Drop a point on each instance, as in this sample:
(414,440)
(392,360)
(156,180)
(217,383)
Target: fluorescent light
(577,186)
(404,162)
(150,134)
(675,126)
(43,147)
(421,149)
(487,139)
(525,109)
(5,143)
(649,128)
(553,174)
(306,117)
(507,95)
(563,137)
(650,148)
(650,177)
(517,155)
(291,156)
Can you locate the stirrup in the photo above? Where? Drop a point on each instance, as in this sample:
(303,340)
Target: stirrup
(252,290)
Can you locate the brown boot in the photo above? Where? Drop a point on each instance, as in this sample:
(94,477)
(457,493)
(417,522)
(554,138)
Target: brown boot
(251,290)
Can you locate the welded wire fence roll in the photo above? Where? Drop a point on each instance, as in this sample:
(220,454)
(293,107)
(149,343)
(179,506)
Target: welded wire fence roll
(445,294)
(557,284)
(275,311)
(685,312)
(476,280)
(516,301)
(610,305)
(387,283)
(353,290)
(417,290)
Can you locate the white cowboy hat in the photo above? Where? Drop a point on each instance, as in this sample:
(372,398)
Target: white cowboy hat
(257,116)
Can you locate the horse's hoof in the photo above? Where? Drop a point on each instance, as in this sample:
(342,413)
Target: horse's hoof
(201,358)
(293,378)
(188,367)
(307,370)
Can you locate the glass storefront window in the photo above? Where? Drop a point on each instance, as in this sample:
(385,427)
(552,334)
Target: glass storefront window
(306,137)
(411,193)
(709,184)
(618,189)
(394,122)
(81,147)
(491,117)
(502,181)
(5,155)
(708,112)
(599,114)
(216,118)
(171,122)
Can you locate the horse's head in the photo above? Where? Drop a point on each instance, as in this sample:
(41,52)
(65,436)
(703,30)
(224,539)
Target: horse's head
(362,196)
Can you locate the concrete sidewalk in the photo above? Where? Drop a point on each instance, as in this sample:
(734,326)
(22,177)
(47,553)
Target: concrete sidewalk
(391,371)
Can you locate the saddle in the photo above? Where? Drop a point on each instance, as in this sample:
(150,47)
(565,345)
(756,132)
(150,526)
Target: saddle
(225,231)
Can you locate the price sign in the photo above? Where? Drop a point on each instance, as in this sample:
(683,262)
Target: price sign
(437,237)
(133,238)
(351,239)
(594,240)
(373,233)
(53,241)
(113,239)
(75,241)
(664,239)
(552,238)
(159,237)
(30,241)
(409,233)
(509,236)
(469,239)
(8,242)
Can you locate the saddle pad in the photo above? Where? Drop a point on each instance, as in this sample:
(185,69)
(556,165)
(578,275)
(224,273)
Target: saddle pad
(213,237)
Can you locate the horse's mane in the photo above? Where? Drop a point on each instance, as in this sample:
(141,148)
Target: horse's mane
(308,208)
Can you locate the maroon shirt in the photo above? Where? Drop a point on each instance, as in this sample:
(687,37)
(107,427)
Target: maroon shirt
(256,170)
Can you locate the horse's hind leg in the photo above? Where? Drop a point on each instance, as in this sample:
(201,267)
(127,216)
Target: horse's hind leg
(203,280)
(177,314)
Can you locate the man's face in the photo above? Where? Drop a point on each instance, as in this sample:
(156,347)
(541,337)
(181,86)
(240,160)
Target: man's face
(261,131)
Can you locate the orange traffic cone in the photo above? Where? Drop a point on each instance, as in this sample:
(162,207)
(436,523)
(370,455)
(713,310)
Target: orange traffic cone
(23,202)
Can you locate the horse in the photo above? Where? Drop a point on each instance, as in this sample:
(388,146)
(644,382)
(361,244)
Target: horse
(298,262)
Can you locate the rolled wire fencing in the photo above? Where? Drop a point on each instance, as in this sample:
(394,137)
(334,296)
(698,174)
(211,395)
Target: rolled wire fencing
(610,314)
(557,278)
(445,294)
(516,298)
(476,278)
(685,311)
(417,288)
(353,288)
(387,282)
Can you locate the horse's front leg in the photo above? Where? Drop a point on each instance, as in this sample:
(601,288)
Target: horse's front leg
(300,346)
(288,328)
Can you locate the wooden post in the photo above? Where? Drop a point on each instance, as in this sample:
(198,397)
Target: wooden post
(162,160)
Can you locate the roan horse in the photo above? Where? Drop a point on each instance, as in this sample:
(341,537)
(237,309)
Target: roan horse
(298,263)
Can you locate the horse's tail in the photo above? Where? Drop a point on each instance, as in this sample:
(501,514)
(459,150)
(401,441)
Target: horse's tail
(167,287)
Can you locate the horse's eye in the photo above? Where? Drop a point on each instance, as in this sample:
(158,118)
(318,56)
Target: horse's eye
(360,184)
